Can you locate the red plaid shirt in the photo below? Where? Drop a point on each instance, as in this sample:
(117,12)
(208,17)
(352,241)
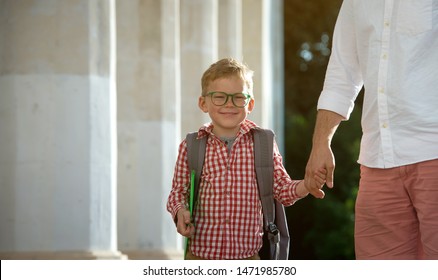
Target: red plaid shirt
(228,214)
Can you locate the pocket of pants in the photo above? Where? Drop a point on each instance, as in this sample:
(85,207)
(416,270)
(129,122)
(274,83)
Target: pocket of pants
(414,16)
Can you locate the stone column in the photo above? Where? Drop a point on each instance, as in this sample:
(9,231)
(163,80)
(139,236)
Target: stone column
(199,49)
(148,86)
(230,29)
(262,51)
(252,34)
(57,123)
(275,68)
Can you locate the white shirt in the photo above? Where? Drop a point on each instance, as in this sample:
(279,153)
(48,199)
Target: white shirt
(390,47)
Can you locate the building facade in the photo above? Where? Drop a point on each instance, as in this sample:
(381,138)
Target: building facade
(95,97)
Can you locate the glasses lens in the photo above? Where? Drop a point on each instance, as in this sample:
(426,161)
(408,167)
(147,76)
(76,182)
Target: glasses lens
(219,98)
(240,100)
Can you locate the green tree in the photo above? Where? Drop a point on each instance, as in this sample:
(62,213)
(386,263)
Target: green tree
(320,229)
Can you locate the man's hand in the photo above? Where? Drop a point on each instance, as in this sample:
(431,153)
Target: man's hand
(321,158)
(320,166)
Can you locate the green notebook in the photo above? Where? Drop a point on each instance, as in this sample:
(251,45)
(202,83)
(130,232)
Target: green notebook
(192,194)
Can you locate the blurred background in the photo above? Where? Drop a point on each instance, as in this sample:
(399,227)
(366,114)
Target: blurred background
(320,229)
(96,95)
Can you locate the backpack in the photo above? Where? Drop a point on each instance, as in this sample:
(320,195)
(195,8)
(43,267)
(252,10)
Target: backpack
(276,234)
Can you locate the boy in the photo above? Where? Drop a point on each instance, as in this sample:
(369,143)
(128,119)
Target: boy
(228,215)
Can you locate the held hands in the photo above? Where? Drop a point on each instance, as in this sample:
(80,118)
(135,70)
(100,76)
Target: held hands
(319,171)
(320,180)
(183,224)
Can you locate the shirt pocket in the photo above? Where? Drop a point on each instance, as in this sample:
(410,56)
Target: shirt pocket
(414,16)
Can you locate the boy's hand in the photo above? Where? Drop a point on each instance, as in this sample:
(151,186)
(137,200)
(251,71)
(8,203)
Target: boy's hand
(183,224)
(320,178)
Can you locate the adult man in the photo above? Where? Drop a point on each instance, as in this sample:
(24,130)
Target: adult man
(391,48)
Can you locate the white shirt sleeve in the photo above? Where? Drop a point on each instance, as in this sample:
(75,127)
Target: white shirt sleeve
(343,79)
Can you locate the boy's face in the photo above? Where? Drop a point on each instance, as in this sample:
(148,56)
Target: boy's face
(227,118)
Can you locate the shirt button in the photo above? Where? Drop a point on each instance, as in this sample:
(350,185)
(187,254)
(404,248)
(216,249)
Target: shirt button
(384,56)
(387,23)
(384,125)
(381,90)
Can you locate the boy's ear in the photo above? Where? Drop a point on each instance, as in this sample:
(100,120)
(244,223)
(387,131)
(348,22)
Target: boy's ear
(251,105)
(202,104)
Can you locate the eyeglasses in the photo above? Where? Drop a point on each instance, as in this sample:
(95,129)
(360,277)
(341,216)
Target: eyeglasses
(239,100)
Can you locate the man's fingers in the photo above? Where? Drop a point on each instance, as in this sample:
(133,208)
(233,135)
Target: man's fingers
(329,180)
(314,188)
(312,181)
(318,193)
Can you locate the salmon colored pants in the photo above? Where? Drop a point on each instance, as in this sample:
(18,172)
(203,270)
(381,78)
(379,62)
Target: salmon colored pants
(397,212)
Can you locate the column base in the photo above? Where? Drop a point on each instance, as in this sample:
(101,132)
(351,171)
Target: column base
(64,255)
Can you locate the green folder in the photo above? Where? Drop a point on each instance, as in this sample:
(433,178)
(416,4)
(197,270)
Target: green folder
(192,194)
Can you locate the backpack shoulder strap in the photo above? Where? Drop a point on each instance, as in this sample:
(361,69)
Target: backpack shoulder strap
(195,157)
(264,164)
(274,218)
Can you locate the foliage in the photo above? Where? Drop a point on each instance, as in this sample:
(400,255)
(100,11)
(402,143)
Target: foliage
(320,229)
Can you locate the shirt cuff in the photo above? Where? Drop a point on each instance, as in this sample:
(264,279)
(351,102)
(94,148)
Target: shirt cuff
(337,103)
(294,191)
(174,211)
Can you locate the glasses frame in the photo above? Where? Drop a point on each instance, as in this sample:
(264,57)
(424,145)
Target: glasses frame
(248,98)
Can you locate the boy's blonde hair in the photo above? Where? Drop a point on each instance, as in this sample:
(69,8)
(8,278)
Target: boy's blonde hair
(225,68)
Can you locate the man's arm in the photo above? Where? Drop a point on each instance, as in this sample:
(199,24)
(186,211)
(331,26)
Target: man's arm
(321,157)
